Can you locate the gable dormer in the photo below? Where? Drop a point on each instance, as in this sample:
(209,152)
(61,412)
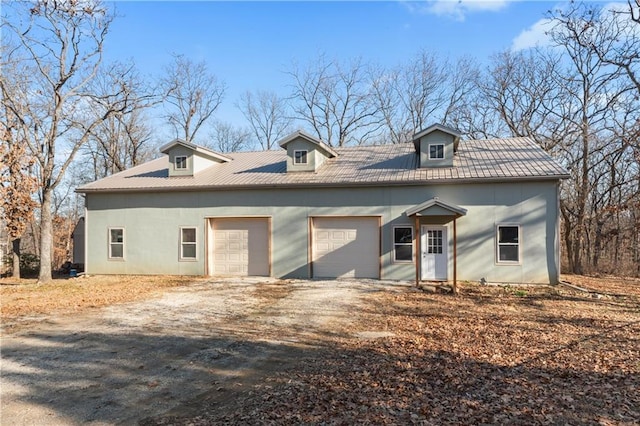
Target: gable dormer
(187,159)
(305,153)
(436,145)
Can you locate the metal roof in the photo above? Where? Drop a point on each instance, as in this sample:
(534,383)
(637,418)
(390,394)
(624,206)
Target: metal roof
(382,165)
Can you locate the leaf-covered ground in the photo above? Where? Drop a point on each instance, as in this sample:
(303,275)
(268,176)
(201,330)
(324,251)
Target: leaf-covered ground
(493,355)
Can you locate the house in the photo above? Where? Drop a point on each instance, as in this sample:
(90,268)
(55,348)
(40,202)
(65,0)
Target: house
(440,208)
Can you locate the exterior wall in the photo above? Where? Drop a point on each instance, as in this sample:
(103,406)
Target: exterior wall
(152,223)
(436,137)
(200,163)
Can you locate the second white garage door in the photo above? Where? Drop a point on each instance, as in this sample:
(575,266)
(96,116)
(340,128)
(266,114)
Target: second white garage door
(239,246)
(346,247)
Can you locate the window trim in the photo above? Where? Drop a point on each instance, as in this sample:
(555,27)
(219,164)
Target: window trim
(305,156)
(175,162)
(498,244)
(182,243)
(393,239)
(436,144)
(110,243)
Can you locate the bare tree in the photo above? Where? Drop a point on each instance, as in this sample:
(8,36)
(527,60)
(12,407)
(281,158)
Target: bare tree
(426,90)
(53,51)
(612,33)
(267,115)
(592,92)
(411,94)
(522,89)
(121,140)
(193,94)
(335,100)
(227,138)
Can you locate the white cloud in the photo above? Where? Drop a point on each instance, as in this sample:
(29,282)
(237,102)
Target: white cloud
(535,35)
(456,9)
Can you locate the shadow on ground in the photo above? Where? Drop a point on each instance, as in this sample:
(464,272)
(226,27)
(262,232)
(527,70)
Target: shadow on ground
(91,377)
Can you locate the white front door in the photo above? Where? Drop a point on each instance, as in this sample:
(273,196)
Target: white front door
(434,244)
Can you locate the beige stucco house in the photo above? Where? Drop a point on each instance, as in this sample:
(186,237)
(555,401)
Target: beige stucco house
(439,208)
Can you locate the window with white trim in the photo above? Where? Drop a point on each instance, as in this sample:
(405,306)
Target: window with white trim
(181,162)
(436,151)
(508,243)
(188,243)
(116,243)
(300,157)
(402,244)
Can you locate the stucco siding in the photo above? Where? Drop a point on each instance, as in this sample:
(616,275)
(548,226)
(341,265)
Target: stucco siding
(152,223)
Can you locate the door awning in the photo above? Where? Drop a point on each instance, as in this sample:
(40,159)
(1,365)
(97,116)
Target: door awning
(436,207)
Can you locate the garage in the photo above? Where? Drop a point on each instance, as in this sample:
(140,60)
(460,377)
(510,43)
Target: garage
(239,246)
(346,247)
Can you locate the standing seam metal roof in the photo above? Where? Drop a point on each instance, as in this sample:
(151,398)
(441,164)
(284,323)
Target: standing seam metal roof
(476,160)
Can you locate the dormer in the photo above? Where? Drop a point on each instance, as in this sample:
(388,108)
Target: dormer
(305,153)
(436,145)
(187,159)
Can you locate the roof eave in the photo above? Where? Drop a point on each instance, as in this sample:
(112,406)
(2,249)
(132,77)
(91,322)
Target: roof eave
(460,181)
(196,148)
(300,134)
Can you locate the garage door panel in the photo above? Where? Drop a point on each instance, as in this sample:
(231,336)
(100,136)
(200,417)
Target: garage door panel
(240,246)
(346,247)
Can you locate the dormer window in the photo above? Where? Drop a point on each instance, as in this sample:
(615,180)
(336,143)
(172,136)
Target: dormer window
(300,157)
(181,162)
(436,146)
(186,159)
(436,151)
(305,153)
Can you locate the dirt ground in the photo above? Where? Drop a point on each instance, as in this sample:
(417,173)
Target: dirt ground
(258,351)
(125,362)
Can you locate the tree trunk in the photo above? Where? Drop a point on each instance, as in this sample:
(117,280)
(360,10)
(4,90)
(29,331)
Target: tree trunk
(15,251)
(597,247)
(568,238)
(46,237)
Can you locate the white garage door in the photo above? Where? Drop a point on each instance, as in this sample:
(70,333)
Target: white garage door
(239,247)
(346,247)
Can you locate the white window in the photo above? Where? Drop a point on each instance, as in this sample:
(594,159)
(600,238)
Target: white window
(181,162)
(403,244)
(188,246)
(436,151)
(300,157)
(508,243)
(116,243)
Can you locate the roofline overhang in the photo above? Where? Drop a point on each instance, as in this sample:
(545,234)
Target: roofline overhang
(322,185)
(437,126)
(455,210)
(318,142)
(197,148)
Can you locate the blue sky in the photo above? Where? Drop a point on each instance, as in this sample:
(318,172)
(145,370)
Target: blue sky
(249,45)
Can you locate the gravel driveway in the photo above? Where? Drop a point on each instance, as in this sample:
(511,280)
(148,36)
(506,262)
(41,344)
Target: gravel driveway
(128,362)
